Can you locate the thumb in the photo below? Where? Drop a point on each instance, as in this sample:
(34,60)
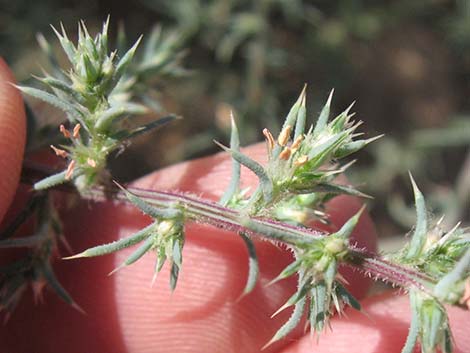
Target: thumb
(12,137)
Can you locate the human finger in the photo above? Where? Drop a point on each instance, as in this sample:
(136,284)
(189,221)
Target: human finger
(381,327)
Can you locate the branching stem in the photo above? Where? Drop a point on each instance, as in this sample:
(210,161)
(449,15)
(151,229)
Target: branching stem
(209,212)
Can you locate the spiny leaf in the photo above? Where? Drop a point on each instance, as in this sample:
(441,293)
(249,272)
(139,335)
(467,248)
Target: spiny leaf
(349,226)
(27,211)
(291,118)
(447,283)
(431,324)
(50,181)
(347,297)
(330,274)
(301,117)
(126,60)
(413,333)
(177,256)
(318,154)
(319,306)
(62,86)
(121,40)
(330,189)
(174,273)
(235,177)
(151,43)
(116,245)
(66,44)
(274,232)
(137,254)
(109,116)
(447,344)
(292,323)
(354,146)
(30,241)
(141,251)
(90,70)
(103,36)
(52,280)
(253,266)
(125,134)
(51,57)
(420,233)
(293,113)
(305,283)
(324,115)
(161,258)
(56,102)
(288,271)
(265,183)
(147,208)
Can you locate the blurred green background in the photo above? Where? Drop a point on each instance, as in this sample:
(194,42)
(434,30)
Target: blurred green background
(405,63)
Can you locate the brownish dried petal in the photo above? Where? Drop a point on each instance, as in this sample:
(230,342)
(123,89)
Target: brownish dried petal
(297,142)
(269,139)
(69,171)
(76,131)
(59,152)
(284,135)
(64,131)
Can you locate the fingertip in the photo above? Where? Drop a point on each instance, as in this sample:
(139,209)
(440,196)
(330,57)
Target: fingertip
(382,326)
(208,176)
(12,136)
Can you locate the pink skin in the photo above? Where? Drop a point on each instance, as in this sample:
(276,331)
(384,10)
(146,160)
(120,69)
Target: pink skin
(204,314)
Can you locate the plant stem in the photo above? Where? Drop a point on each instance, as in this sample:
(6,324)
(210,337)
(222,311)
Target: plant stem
(209,212)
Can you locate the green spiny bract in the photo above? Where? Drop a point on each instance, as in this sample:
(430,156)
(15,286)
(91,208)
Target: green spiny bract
(319,285)
(165,235)
(34,269)
(302,163)
(99,91)
(444,258)
(294,185)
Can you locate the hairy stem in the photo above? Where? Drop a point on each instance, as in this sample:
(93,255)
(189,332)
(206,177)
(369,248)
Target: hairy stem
(209,212)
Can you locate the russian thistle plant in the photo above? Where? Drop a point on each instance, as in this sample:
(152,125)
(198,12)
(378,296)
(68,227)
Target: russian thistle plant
(97,94)
(304,160)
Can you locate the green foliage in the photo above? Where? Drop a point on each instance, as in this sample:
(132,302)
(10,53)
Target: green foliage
(445,258)
(98,93)
(296,164)
(319,284)
(103,88)
(35,269)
